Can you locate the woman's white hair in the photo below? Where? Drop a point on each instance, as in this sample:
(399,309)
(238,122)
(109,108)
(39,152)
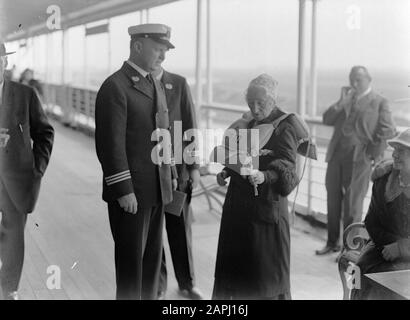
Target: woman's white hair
(265,81)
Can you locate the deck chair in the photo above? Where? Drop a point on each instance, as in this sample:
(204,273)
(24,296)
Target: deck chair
(355,237)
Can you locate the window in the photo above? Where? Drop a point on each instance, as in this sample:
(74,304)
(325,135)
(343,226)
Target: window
(119,38)
(260,36)
(181,17)
(365,32)
(75,62)
(97,66)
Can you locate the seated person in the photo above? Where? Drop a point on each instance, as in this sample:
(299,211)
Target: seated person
(388,219)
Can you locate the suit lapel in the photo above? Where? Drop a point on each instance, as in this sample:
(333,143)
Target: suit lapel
(162,116)
(139,82)
(348,107)
(8,93)
(166,81)
(8,107)
(364,102)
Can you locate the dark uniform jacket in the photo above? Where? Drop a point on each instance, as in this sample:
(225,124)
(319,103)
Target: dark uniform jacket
(373,126)
(181,107)
(125,120)
(25,158)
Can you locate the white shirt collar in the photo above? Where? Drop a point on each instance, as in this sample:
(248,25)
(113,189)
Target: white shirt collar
(159,76)
(139,69)
(364,93)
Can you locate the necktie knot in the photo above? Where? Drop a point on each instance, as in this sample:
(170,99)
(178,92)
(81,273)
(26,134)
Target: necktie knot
(150,79)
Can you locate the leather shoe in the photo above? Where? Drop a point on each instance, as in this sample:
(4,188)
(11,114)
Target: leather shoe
(328,249)
(192,294)
(161,295)
(12,296)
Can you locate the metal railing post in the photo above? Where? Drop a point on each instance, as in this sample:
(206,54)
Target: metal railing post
(209,91)
(198,69)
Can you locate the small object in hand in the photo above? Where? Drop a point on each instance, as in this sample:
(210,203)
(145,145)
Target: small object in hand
(255,188)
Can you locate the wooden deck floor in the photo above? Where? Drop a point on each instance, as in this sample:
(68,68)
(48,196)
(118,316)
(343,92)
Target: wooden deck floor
(70,229)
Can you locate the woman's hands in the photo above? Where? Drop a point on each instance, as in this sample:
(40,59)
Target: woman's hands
(257,177)
(220,178)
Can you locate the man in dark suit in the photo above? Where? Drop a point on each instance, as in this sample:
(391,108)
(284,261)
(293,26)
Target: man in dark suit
(179,231)
(26,141)
(130,106)
(362,123)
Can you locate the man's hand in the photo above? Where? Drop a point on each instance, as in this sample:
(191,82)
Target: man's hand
(257,177)
(220,177)
(195,176)
(391,251)
(346,93)
(128,203)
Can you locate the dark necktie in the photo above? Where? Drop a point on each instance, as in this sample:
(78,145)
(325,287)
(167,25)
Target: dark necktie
(149,78)
(162,122)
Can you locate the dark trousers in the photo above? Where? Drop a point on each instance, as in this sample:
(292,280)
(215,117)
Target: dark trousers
(11,243)
(138,251)
(347,182)
(179,233)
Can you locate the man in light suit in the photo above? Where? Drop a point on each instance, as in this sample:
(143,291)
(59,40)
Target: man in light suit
(362,123)
(26,141)
(179,231)
(130,106)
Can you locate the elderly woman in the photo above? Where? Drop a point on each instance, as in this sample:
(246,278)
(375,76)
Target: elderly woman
(388,219)
(254,242)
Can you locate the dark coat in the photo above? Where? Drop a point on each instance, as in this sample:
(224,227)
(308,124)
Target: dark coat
(37,86)
(25,158)
(253,256)
(125,119)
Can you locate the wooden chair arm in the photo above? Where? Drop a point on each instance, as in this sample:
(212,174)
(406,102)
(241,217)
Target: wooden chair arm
(357,241)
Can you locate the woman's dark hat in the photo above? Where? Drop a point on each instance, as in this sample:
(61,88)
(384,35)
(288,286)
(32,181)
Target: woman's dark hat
(403,139)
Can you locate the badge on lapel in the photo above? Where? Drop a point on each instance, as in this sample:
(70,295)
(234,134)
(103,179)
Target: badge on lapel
(135,79)
(4,137)
(168,86)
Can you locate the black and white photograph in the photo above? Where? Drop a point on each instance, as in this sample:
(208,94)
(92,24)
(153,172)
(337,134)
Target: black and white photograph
(206,154)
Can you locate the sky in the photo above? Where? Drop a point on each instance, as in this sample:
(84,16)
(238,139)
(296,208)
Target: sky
(258,34)
(265,32)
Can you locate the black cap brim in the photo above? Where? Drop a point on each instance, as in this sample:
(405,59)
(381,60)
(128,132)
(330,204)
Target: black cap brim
(166,42)
(7,53)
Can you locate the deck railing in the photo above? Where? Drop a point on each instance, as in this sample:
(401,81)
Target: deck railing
(75,107)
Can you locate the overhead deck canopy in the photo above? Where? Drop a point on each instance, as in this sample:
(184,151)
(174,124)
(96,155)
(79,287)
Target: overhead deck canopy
(21,18)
